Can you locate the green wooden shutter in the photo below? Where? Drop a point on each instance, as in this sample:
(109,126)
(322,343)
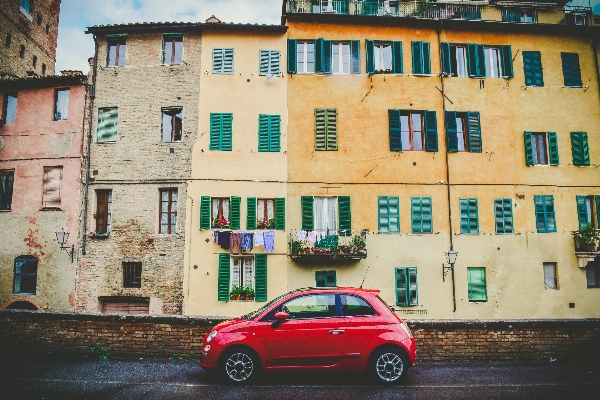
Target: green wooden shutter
(308,222)
(395,130)
(275,62)
(228,61)
(421,215)
(345,216)
(397,64)
(532,66)
(417,58)
(215,131)
(320,129)
(413,298)
(226,129)
(528,68)
(107,125)
(263,133)
(251,213)
(264,62)
(477,284)
(571,69)
(355,56)
(446,60)
(370,50)
(221,131)
(394,213)
(451,131)
(503,215)
(469,218)
(416,215)
(473,216)
(205,221)
(528,148)
(401,286)
(540,218)
(235,204)
(474,136)
(275,133)
(279,213)
(553,148)
(582,214)
(327,54)
(464,215)
(507,63)
(223,281)
(319,55)
(431,137)
(427,215)
(383,214)
(292,53)
(217,61)
(426,51)
(476,60)
(580,148)
(331,136)
(260,277)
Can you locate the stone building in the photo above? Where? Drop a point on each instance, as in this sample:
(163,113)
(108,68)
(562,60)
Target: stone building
(28,34)
(41,142)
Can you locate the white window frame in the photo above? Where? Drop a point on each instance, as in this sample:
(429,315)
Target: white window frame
(242,271)
(340,60)
(493,67)
(326,215)
(379,54)
(302,57)
(459,53)
(550,276)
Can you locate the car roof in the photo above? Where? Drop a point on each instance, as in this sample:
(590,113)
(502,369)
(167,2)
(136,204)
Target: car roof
(347,289)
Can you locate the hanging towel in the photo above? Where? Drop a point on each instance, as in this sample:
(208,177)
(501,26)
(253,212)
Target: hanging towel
(247,241)
(224,239)
(236,243)
(258,239)
(269,240)
(301,235)
(312,236)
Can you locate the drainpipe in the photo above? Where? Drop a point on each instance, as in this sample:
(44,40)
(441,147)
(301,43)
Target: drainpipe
(595,42)
(89,143)
(439,32)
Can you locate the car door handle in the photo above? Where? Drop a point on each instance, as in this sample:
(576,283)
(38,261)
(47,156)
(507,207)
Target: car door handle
(336,331)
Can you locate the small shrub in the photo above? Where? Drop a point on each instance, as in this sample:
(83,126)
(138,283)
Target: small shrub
(100,351)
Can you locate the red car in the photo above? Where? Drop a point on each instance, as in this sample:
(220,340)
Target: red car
(333,329)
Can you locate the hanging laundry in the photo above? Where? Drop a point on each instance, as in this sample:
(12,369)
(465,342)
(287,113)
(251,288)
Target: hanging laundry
(235,246)
(247,241)
(224,239)
(301,235)
(269,241)
(312,236)
(258,239)
(215,236)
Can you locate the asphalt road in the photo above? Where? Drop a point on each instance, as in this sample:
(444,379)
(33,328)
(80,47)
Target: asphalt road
(87,378)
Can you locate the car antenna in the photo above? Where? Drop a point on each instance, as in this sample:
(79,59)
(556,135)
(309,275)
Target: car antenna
(365,277)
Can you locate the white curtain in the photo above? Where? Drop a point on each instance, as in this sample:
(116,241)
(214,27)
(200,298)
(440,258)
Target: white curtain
(326,215)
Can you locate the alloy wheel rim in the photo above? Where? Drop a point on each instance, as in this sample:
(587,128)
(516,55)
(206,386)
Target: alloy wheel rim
(239,367)
(389,367)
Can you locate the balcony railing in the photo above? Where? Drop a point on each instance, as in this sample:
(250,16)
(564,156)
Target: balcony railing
(343,245)
(424,10)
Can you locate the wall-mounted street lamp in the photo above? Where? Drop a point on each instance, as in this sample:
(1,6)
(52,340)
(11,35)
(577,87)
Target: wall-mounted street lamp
(62,238)
(451,259)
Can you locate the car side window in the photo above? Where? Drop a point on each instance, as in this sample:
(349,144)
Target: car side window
(311,306)
(354,306)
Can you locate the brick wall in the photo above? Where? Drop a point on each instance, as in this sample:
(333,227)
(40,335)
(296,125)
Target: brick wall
(161,336)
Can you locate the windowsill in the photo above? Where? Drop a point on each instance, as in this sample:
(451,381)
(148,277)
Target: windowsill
(106,142)
(223,73)
(51,209)
(172,65)
(114,66)
(1,211)
(242,300)
(26,14)
(24,293)
(100,235)
(219,227)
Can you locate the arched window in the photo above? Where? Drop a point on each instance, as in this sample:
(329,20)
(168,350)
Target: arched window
(25,278)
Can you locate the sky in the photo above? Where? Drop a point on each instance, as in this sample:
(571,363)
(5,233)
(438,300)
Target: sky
(75,47)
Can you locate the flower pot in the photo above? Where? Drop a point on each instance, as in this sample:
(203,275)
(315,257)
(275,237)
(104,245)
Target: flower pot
(238,297)
(231,297)
(250,298)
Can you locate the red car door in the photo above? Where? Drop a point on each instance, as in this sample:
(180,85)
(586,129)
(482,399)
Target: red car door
(313,336)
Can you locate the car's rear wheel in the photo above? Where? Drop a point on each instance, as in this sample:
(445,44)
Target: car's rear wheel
(238,366)
(388,365)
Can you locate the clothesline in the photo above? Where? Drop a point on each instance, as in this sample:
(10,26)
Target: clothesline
(240,241)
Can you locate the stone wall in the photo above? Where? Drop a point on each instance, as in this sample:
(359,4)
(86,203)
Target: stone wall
(162,336)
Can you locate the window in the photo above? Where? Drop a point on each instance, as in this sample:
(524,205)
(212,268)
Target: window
(588,211)
(454,60)
(550,278)
(406,287)
(325,279)
(514,14)
(311,306)
(265,213)
(51,198)
(592,274)
(221,131)
(34,62)
(222,61)
(27,6)
(389,214)
(323,56)
(7,179)
(340,59)
(269,133)
(384,57)
(326,129)
(421,215)
(107,125)
(10,108)
(172,126)
(220,212)
(117,46)
(132,274)
(469,218)
(22,52)
(477,284)
(463,132)
(43,69)
(172,48)
(503,216)
(421,62)
(25,276)
(532,66)
(492,62)
(305,57)
(544,214)
(270,61)
(541,148)
(242,271)
(39,20)
(47,29)
(103,213)
(327,214)
(353,306)
(168,211)
(412,130)
(61,104)
(580,148)
(489,61)
(8,39)
(571,69)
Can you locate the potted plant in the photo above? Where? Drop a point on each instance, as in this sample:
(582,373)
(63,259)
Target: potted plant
(236,293)
(220,222)
(296,247)
(586,239)
(358,243)
(242,293)
(249,293)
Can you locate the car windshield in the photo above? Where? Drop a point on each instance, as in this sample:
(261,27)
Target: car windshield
(256,313)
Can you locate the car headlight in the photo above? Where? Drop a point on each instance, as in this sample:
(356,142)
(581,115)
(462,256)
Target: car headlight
(207,348)
(211,336)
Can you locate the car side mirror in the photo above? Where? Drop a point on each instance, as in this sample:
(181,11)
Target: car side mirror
(281,316)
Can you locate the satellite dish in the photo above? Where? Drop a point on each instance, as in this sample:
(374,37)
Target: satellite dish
(270,78)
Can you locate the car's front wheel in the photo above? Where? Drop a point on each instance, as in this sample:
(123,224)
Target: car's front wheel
(238,366)
(388,365)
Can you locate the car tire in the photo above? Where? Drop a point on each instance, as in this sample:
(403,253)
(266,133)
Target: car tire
(388,365)
(238,366)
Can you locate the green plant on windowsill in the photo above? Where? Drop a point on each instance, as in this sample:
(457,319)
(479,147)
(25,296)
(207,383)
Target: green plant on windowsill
(586,239)
(296,247)
(358,243)
(249,293)
(236,293)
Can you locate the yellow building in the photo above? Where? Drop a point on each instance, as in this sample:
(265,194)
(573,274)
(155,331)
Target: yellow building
(415,129)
